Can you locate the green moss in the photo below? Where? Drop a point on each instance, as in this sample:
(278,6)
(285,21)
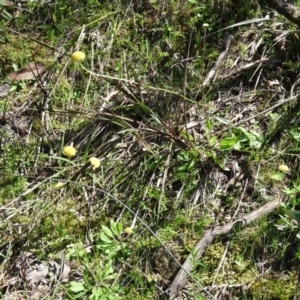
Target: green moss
(272,286)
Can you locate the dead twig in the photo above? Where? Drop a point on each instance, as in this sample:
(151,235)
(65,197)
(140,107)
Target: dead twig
(265,112)
(220,58)
(208,237)
(286,9)
(268,62)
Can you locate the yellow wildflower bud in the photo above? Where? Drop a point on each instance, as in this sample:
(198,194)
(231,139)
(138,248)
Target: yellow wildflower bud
(69,151)
(128,230)
(77,56)
(59,185)
(284,168)
(95,162)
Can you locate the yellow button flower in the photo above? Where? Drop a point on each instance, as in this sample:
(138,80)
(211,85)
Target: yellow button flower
(128,230)
(78,56)
(284,168)
(69,151)
(95,162)
(59,185)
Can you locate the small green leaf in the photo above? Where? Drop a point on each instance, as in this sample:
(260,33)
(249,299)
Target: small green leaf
(277,176)
(113,227)
(119,228)
(187,136)
(218,161)
(228,143)
(209,124)
(104,238)
(252,137)
(295,134)
(77,287)
(183,156)
(213,141)
(107,231)
(183,168)
(292,213)
(222,120)
(289,191)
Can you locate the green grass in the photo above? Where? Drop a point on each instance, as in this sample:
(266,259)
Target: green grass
(130,104)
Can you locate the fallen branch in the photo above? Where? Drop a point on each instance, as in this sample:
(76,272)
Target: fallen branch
(220,58)
(286,9)
(264,62)
(208,237)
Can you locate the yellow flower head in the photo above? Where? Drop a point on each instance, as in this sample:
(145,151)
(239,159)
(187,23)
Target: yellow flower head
(59,185)
(95,162)
(69,151)
(77,56)
(128,230)
(284,168)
